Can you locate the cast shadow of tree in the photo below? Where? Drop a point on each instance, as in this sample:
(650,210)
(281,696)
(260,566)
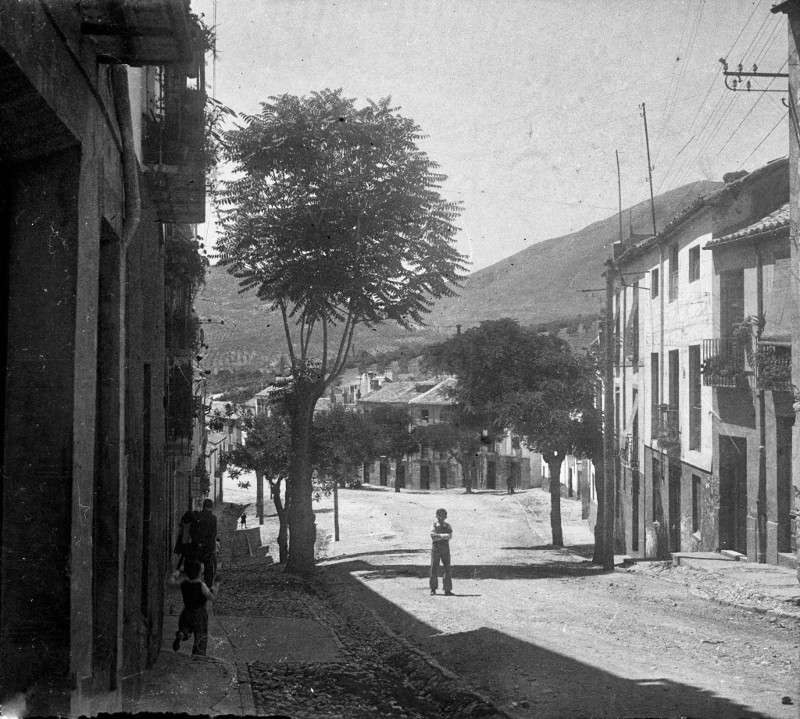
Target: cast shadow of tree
(557,685)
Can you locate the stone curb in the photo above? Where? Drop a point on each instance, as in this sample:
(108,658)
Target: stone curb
(708,596)
(411,647)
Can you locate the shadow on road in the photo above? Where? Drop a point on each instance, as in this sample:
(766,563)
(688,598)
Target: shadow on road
(509,669)
(381,552)
(541,570)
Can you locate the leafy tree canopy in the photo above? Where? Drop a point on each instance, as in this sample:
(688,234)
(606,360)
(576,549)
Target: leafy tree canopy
(335,216)
(266,449)
(511,376)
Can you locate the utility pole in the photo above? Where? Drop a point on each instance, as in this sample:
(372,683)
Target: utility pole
(649,169)
(609,469)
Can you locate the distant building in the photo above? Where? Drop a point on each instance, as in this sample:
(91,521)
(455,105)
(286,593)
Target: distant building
(427,402)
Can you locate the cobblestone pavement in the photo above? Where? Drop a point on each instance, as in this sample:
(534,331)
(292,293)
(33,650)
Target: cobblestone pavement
(379,675)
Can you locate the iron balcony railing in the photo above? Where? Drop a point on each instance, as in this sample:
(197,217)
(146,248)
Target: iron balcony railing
(174,148)
(774,367)
(724,362)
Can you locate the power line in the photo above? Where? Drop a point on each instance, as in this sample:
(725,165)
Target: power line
(764,139)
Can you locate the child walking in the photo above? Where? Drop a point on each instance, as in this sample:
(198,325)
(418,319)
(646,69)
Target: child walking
(194,617)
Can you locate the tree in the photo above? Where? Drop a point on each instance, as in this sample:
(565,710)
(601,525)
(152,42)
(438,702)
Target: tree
(342,442)
(334,219)
(461,439)
(392,428)
(266,452)
(517,378)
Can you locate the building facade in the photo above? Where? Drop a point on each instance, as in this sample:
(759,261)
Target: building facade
(94,161)
(497,463)
(684,417)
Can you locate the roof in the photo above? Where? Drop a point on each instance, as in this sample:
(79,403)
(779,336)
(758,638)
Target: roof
(399,392)
(690,210)
(438,395)
(777,220)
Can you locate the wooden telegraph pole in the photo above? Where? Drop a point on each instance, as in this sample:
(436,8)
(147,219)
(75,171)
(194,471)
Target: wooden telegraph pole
(609,470)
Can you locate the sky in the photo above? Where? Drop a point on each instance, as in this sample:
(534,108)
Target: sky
(525,103)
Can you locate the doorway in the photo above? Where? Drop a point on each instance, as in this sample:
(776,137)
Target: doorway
(400,480)
(674,507)
(491,474)
(424,477)
(784,482)
(733,493)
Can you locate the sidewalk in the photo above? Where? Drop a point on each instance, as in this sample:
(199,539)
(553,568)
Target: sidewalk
(762,588)
(281,646)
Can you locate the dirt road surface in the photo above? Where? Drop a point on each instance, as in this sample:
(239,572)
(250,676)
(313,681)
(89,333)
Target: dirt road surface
(541,631)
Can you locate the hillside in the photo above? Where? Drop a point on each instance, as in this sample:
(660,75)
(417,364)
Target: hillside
(541,284)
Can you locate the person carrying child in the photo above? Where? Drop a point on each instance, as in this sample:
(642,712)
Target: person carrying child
(194,617)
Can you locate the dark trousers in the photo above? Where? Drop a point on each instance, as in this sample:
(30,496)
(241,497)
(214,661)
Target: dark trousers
(195,621)
(209,569)
(440,551)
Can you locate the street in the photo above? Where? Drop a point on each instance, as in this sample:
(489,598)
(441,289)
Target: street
(540,631)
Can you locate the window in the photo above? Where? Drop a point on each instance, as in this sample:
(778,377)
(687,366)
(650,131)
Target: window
(674,379)
(654,394)
(695,383)
(696,498)
(654,279)
(694,263)
(424,415)
(673,272)
(656,474)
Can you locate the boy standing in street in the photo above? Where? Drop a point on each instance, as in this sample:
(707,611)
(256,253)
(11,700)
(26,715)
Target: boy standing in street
(441,534)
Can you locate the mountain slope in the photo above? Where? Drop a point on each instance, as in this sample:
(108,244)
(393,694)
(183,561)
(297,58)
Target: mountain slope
(541,284)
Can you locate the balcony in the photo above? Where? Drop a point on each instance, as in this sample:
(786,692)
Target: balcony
(668,429)
(774,367)
(174,148)
(138,32)
(629,451)
(182,406)
(724,363)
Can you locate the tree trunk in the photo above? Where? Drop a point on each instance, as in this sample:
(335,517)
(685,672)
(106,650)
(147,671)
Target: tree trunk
(260,496)
(471,475)
(466,468)
(302,527)
(335,509)
(554,462)
(599,525)
(280,508)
